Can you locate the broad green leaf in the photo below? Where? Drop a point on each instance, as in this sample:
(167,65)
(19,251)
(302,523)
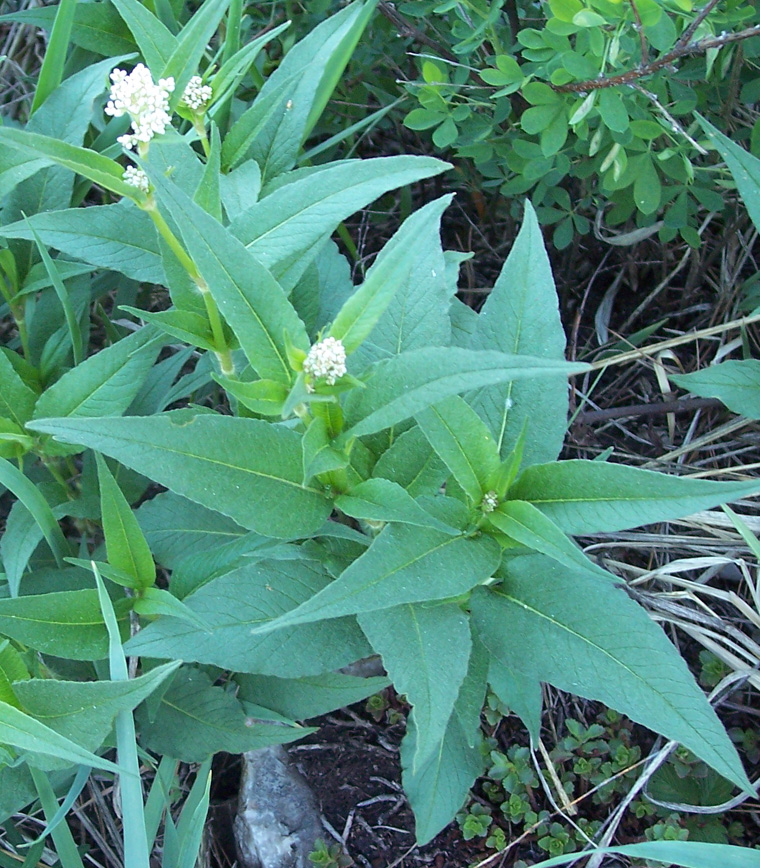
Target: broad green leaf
(384,500)
(735,383)
(411,462)
(196,719)
(235,604)
(119,237)
(295,218)
(64,624)
(266,397)
(155,41)
(97,27)
(591,639)
(24,732)
(464,443)
(744,167)
(438,789)
(647,189)
(190,327)
(521,316)
(521,693)
(389,272)
(689,854)
(84,711)
(595,496)
(106,383)
(243,468)
(527,525)
(156,601)
(318,452)
(16,398)
(250,299)
(126,547)
(240,189)
(417,643)
(612,109)
(472,693)
(402,386)
(404,564)
(90,164)
(307,697)
(25,490)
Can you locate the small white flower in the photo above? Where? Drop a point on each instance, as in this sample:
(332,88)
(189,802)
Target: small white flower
(197,94)
(326,359)
(490,501)
(136,178)
(147,103)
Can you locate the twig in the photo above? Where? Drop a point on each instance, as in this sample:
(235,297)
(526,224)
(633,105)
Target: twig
(685,37)
(658,408)
(675,126)
(642,37)
(406,29)
(678,51)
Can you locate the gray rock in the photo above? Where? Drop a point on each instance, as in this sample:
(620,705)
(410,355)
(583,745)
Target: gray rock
(278,817)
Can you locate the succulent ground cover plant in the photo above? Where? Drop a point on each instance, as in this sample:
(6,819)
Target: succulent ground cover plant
(345,470)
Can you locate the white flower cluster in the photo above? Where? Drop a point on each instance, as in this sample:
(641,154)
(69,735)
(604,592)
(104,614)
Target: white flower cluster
(197,94)
(136,178)
(147,103)
(490,501)
(326,359)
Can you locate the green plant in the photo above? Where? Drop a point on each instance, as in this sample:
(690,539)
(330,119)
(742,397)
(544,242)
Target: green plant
(353,470)
(588,104)
(329,856)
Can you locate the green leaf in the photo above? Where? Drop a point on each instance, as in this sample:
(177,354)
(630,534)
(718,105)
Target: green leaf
(411,462)
(744,167)
(594,496)
(647,189)
(307,697)
(735,383)
(155,41)
(437,790)
(156,601)
(15,481)
(404,564)
(90,164)
(250,299)
(519,691)
(190,327)
(64,624)
(384,500)
(196,719)
(403,386)
(527,525)
(613,110)
(521,316)
(363,309)
(84,712)
(690,854)
(417,643)
(233,605)
(591,639)
(464,443)
(126,547)
(244,468)
(295,218)
(266,397)
(16,398)
(51,71)
(106,383)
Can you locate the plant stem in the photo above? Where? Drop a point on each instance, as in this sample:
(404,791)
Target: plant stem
(200,128)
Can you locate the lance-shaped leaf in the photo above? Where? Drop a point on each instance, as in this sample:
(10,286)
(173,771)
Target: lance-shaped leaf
(594,496)
(591,639)
(527,525)
(521,316)
(294,218)
(736,383)
(126,545)
(464,443)
(689,854)
(195,720)
(411,462)
(16,398)
(403,386)
(404,564)
(233,605)
(417,643)
(243,468)
(90,164)
(120,237)
(155,41)
(384,500)
(84,711)
(438,788)
(363,309)
(106,383)
(250,299)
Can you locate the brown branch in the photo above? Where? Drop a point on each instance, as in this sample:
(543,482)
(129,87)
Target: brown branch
(685,37)
(404,28)
(658,408)
(642,37)
(678,51)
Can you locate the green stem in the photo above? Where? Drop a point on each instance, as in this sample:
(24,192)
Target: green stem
(200,128)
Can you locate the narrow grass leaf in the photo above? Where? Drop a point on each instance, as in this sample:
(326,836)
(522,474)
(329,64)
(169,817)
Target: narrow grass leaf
(51,71)
(689,854)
